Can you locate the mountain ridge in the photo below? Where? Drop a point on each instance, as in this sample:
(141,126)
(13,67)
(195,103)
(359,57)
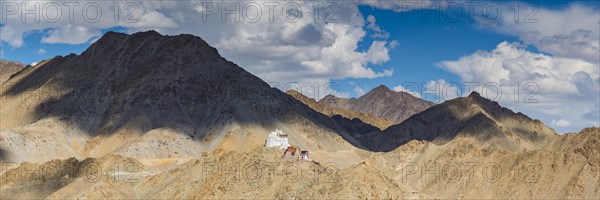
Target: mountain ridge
(8,69)
(381,102)
(473,116)
(380,123)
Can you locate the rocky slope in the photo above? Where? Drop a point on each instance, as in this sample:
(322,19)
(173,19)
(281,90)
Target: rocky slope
(8,68)
(41,180)
(566,168)
(380,102)
(260,173)
(463,168)
(378,122)
(472,116)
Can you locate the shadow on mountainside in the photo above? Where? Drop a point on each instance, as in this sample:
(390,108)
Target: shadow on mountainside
(472,116)
(2,155)
(146,81)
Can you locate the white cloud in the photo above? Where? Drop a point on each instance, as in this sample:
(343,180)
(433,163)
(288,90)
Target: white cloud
(199,8)
(393,44)
(11,36)
(443,90)
(70,34)
(41,51)
(546,86)
(403,6)
(378,52)
(509,63)
(377,31)
(579,44)
(560,123)
(401,88)
(341,95)
(359,91)
(313,88)
(570,33)
(153,20)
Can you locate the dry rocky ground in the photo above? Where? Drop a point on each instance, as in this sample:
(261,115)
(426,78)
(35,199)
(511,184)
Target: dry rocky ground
(382,103)
(8,68)
(568,167)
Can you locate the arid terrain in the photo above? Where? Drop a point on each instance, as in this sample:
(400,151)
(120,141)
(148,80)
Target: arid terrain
(148,116)
(8,68)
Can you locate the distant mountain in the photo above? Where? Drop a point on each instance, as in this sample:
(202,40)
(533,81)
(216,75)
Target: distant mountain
(378,122)
(8,68)
(472,116)
(381,102)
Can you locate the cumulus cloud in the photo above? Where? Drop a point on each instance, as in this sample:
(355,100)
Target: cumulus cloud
(342,95)
(70,34)
(11,36)
(547,86)
(403,6)
(560,123)
(401,88)
(377,31)
(579,44)
(152,20)
(509,63)
(378,53)
(443,90)
(571,32)
(359,91)
(393,44)
(41,51)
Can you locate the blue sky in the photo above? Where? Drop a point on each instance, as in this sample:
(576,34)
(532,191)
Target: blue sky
(421,45)
(379,42)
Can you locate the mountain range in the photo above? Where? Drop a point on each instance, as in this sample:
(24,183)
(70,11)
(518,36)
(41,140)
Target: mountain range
(188,123)
(338,113)
(381,102)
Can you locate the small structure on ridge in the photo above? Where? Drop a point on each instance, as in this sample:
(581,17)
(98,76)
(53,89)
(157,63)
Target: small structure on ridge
(290,149)
(304,155)
(277,139)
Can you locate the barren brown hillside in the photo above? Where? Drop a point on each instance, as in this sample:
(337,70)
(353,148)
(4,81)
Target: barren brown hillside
(378,122)
(462,168)
(381,102)
(8,68)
